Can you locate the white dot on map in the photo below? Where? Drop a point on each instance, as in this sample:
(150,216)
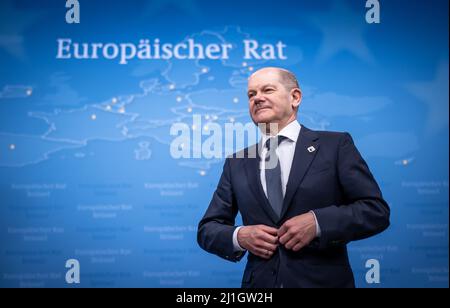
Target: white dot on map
(122,110)
(404,162)
(244,64)
(179,99)
(250,68)
(12,147)
(204,70)
(235,100)
(114,100)
(172,87)
(29,92)
(108,107)
(202,172)
(94,116)
(189,109)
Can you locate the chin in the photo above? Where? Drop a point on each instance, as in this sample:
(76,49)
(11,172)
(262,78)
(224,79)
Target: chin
(263,119)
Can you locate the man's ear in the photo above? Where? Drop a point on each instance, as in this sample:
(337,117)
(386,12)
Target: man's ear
(296,96)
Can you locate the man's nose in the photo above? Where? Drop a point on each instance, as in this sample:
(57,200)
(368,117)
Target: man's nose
(258,98)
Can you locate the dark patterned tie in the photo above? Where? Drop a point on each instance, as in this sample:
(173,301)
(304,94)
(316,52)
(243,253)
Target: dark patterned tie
(273,174)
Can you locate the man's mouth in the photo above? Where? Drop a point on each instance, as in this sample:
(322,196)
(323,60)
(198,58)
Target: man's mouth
(261,108)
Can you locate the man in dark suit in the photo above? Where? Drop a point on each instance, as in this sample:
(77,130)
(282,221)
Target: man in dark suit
(302,198)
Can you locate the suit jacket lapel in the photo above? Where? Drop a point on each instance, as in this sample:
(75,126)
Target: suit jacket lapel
(253,174)
(300,164)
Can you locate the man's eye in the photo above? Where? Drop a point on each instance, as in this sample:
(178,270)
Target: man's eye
(269,90)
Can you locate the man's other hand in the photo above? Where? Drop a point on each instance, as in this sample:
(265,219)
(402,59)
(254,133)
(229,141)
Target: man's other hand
(260,240)
(298,231)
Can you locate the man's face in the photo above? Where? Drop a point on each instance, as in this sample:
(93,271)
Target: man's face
(269,100)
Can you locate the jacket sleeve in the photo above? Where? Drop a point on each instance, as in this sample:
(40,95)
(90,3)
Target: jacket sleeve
(365,213)
(215,230)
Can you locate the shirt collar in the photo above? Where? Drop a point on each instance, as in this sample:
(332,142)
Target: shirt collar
(291,131)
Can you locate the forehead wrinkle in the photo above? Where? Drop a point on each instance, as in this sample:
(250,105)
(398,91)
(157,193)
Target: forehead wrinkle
(265,85)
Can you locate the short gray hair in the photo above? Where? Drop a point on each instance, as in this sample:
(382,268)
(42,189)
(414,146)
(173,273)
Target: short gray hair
(288,79)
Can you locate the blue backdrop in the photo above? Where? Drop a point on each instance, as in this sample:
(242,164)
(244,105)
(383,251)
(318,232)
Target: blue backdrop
(85,165)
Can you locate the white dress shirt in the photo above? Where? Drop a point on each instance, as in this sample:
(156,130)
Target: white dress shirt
(285,152)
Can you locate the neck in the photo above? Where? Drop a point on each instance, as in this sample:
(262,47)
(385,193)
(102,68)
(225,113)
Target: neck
(274,128)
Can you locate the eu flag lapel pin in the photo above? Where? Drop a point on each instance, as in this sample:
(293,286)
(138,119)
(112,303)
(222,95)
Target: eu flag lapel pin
(311,149)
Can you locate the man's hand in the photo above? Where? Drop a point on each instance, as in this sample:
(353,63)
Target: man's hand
(260,240)
(298,231)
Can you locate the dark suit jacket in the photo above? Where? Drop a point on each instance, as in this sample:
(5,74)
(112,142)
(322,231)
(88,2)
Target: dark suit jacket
(334,181)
